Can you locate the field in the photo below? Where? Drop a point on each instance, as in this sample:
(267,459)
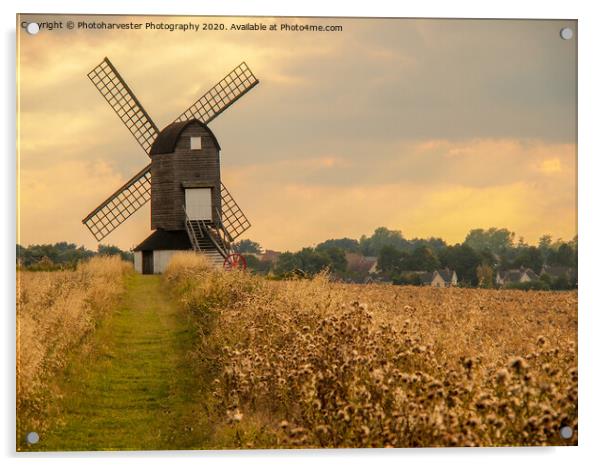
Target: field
(55,312)
(209,359)
(319,364)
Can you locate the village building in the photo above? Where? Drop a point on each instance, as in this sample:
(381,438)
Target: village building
(512,276)
(442,278)
(269,256)
(363,266)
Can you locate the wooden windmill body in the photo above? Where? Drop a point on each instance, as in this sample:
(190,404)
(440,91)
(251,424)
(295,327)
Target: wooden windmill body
(191,209)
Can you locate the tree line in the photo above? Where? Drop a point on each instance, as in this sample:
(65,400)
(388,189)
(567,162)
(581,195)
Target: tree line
(475,260)
(63,255)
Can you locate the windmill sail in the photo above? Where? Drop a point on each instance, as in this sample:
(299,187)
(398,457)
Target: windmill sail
(231,88)
(125,104)
(120,205)
(233,219)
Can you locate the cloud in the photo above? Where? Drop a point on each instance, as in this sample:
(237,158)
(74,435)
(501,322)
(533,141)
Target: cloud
(428,126)
(550,166)
(304,215)
(483,183)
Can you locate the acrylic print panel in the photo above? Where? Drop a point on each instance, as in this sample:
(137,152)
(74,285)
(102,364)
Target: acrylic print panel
(387,255)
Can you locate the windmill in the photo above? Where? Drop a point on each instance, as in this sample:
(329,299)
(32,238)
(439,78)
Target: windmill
(191,209)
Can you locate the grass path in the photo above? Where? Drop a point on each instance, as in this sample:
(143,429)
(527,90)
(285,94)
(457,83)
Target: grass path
(133,389)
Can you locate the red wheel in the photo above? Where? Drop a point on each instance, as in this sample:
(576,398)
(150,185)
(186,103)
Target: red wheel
(235,261)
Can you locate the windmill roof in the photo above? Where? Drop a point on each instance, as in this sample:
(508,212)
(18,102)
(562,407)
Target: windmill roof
(162,240)
(166,140)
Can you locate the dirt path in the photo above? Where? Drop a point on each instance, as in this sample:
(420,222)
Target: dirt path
(133,389)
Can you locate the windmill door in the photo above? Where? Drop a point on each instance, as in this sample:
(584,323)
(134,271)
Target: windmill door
(198,203)
(147,262)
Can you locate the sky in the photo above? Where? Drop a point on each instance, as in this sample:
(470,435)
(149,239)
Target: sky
(431,127)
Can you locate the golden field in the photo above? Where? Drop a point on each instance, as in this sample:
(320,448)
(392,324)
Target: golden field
(55,311)
(312,363)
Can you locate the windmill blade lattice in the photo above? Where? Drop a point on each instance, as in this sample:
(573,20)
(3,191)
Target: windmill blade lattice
(120,205)
(231,88)
(125,104)
(234,220)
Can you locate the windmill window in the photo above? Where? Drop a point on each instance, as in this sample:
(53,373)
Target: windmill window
(195,143)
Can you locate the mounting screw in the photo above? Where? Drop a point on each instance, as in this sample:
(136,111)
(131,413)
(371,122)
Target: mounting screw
(566,432)
(566,33)
(32,438)
(33,28)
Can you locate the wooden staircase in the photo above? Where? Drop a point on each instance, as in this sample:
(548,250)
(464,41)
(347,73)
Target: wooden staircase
(209,238)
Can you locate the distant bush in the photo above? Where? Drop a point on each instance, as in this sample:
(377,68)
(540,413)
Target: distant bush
(45,264)
(63,255)
(532,285)
(407,279)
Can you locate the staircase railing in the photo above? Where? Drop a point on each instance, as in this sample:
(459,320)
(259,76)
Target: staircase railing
(215,231)
(190,231)
(226,236)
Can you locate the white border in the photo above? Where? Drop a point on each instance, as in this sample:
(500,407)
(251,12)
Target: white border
(590,234)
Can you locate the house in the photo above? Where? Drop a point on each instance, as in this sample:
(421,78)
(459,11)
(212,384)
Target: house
(442,278)
(362,265)
(269,256)
(522,275)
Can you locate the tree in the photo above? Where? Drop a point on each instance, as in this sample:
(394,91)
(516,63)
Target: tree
(464,260)
(287,262)
(565,256)
(485,276)
(494,239)
(346,244)
(421,258)
(561,283)
(108,250)
(436,244)
(529,257)
(389,260)
(371,246)
(246,246)
(61,254)
(545,242)
(488,258)
(545,247)
(336,259)
(311,261)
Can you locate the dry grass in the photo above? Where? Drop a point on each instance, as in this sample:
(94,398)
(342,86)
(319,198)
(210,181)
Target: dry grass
(320,364)
(55,310)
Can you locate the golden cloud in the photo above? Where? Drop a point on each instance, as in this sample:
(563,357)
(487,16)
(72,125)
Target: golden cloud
(375,126)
